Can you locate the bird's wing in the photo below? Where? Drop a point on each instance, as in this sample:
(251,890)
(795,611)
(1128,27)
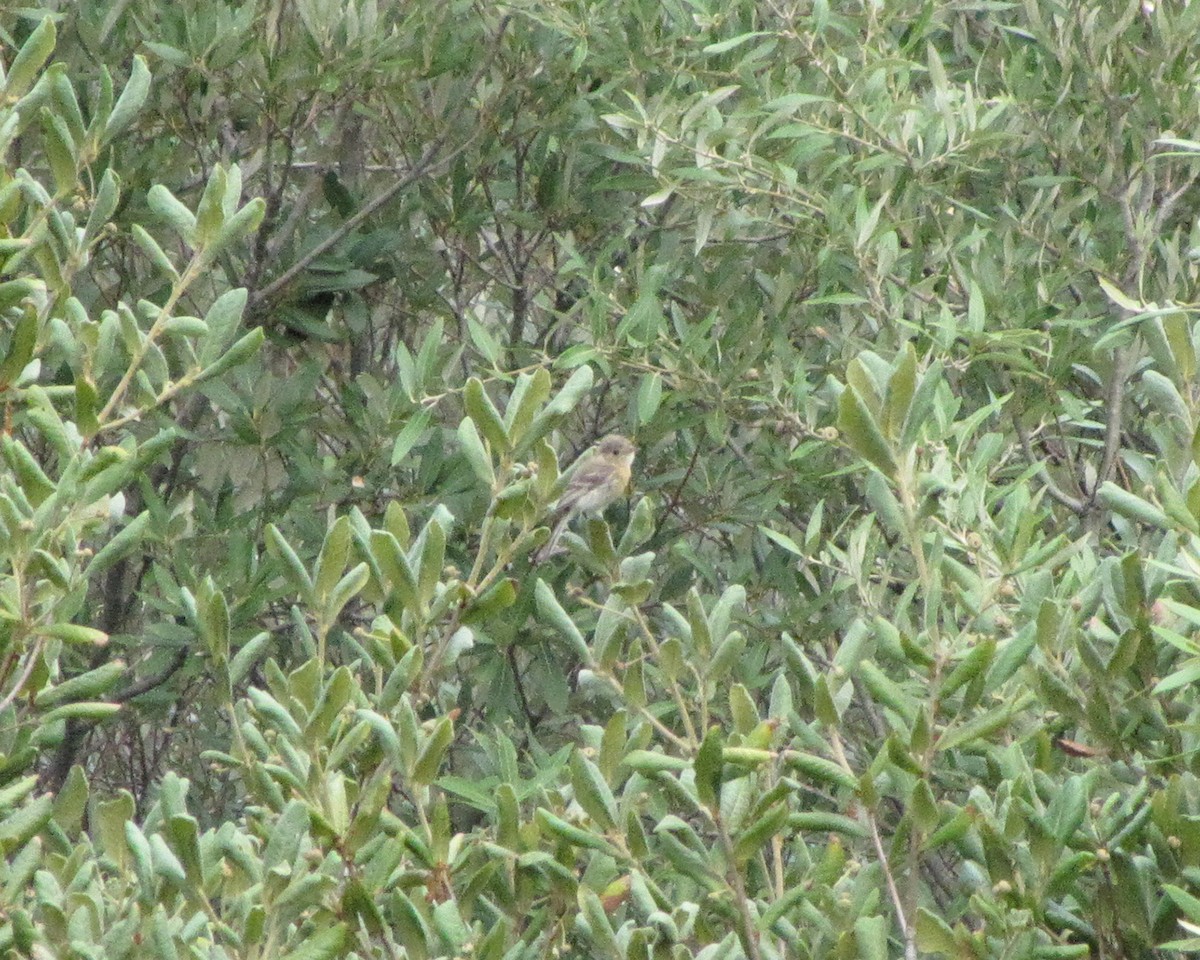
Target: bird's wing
(584,480)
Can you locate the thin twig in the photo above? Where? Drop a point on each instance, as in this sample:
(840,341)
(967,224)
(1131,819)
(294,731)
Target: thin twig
(734,877)
(910,941)
(677,493)
(1074,504)
(31,660)
(146,684)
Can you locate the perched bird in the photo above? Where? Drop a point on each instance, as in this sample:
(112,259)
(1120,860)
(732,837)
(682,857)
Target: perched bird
(598,479)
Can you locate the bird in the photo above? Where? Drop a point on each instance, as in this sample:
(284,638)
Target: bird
(598,478)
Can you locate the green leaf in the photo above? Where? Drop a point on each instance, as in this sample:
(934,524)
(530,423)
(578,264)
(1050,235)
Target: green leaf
(602,939)
(1114,293)
(322,945)
(871,937)
(900,393)
(970,667)
(12,794)
(433,558)
(21,345)
(476,454)
(286,836)
(487,345)
(282,551)
(732,599)
(496,599)
(553,613)
(524,405)
(862,433)
(483,412)
(429,761)
(185,327)
(86,686)
(1176,328)
(397,569)
(346,589)
(934,935)
(650,761)
(572,834)
(214,621)
(170,209)
(247,656)
(108,195)
(23,823)
(709,765)
(577,385)
(139,851)
(649,397)
(183,834)
(820,769)
(407,438)
(210,215)
(385,732)
(823,704)
(34,53)
(983,725)
(61,150)
(130,103)
(240,225)
(1067,809)
(274,713)
(592,791)
(29,474)
(331,561)
(921,404)
(819,822)
(1189,904)
(450,926)
(240,352)
(751,840)
(85,710)
(222,321)
(156,254)
(724,46)
(361,909)
(1132,506)
(782,540)
(121,545)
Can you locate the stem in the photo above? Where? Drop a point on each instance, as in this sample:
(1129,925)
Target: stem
(676,693)
(749,933)
(910,942)
(650,718)
(30,662)
(177,290)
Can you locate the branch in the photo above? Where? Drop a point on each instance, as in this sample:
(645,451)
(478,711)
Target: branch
(425,163)
(1074,504)
(55,774)
(147,684)
(1114,399)
(910,933)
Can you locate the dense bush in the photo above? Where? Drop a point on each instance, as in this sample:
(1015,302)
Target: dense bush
(891,649)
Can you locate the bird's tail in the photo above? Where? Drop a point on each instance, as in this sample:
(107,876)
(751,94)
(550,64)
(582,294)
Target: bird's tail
(551,548)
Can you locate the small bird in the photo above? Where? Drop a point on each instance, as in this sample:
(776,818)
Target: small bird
(599,478)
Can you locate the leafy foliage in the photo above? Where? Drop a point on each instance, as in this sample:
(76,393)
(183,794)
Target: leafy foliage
(304,309)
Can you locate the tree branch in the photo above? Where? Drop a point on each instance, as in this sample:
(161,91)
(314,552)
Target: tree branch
(428,160)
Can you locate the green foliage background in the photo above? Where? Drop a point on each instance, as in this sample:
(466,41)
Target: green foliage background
(890,652)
